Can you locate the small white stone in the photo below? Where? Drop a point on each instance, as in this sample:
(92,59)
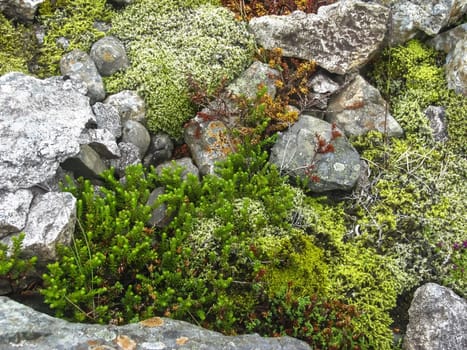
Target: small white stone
(339,167)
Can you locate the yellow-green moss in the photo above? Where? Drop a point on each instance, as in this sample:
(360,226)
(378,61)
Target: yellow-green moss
(167,41)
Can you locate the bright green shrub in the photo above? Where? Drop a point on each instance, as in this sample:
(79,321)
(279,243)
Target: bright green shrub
(168,41)
(14,268)
(17,45)
(73,20)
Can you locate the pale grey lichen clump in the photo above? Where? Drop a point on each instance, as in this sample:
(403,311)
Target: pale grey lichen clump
(166,42)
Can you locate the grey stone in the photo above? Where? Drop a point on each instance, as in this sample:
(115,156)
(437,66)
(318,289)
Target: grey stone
(359,108)
(135,133)
(437,320)
(456,68)
(86,163)
(129,156)
(298,153)
(109,55)
(78,65)
(23,328)
(14,208)
(129,104)
(102,141)
(51,221)
(21,9)
(159,216)
(160,150)
(107,117)
(410,17)
(447,40)
(438,122)
(341,37)
(186,163)
(258,73)
(322,84)
(208,141)
(40,125)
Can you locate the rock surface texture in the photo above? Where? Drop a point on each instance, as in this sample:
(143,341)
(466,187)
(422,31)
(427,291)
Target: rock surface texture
(437,320)
(359,108)
(40,125)
(456,67)
(341,37)
(23,328)
(21,9)
(313,150)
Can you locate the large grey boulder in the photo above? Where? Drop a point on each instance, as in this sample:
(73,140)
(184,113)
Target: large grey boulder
(359,108)
(40,126)
(437,320)
(341,37)
(410,17)
(456,68)
(78,65)
(315,151)
(21,9)
(23,328)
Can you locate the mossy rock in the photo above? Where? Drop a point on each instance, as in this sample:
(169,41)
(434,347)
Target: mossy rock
(168,41)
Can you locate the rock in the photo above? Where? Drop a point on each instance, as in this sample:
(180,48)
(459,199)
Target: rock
(102,141)
(437,320)
(130,155)
(86,163)
(322,84)
(159,216)
(186,163)
(129,106)
(208,141)
(137,134)
(258,73)
(14,208)
(341,37)
(51,221)
(437,117)
(313,150)
(109,55)
(78,65)
(447,40)
(23,328)
(107,117)
(409,17)
(40,125)
(456,68)
(359,108)
(160,150)
(21,9)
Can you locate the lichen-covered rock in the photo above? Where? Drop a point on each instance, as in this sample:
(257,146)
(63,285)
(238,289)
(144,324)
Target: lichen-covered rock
(340,38)
(437,320)
(50,222)
(409,17)
(456,68)
(78,65)
(109,55)
(129,104)
(179,40)
(108,118)
(129,155)
(21,9)
(359,108)
(40,125)
(446,41)
(23,328)
(318,153)
(14,208)
(438,122)
(209,142)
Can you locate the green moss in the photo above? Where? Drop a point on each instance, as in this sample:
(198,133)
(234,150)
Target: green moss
(18,45)
(169,40)
(73,20)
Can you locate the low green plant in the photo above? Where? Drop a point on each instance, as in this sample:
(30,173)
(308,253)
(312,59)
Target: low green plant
(14,268)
